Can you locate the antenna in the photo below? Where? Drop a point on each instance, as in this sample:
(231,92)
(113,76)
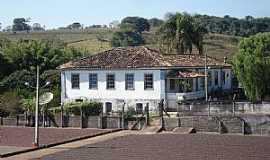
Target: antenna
(45,98)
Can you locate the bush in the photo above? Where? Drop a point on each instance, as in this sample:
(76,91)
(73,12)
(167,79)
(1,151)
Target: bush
(88,108)
(10,104)
(130,112)
(126,38)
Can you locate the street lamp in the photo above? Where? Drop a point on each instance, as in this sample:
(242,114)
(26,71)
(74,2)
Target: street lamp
(36,135)
(206,76)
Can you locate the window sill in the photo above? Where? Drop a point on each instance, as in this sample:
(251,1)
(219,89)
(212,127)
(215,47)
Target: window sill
(131,89)
(149,89)
(93,88)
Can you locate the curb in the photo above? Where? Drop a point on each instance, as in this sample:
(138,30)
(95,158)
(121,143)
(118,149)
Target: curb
(57,143)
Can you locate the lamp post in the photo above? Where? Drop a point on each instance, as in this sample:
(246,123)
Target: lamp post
(36,135)
(206,74)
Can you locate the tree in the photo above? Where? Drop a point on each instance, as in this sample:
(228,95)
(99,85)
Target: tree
(49,54)
(37,27)
(126,38)
(75,25)
(251,64)
(114,24)
(7,29)
(137,24)
(16,80)
(20,24)
(168,16)
(155,22)
(10,104)
(53,76)
(23,56)
(180,33)
(5,67)
(28,105)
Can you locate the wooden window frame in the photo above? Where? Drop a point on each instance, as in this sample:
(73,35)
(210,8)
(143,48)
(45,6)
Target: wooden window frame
(77,86)
(108,83)
(91,85)
(146,87)
(127,81)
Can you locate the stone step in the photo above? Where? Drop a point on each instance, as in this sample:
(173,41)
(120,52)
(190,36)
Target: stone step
(152,129)
(184,130)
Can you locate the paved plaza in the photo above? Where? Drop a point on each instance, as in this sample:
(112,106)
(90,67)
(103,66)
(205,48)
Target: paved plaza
(170,147)
(13,139)
(134,145)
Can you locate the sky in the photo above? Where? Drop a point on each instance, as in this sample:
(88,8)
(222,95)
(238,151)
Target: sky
(57,13)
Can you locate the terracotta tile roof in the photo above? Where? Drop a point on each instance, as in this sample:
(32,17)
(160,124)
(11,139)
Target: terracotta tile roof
(138,57)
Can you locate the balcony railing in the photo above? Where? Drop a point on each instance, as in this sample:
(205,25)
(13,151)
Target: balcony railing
(186,96)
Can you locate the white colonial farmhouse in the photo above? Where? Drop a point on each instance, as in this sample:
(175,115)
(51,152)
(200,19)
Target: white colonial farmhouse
(139,75)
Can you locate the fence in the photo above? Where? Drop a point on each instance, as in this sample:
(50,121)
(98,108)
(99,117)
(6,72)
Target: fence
(109,120)
(221,108)
(222,117)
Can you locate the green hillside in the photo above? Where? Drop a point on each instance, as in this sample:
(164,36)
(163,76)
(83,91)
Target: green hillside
(97,40)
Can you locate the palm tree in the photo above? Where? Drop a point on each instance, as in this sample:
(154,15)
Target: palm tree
(180,33)
(198,36)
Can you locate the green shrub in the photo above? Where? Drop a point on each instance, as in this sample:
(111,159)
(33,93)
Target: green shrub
(88,108)
(130,112)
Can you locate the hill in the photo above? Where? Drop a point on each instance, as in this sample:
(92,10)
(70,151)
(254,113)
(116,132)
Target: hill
(97,40)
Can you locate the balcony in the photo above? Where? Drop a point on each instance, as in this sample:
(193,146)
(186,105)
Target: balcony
(186,96)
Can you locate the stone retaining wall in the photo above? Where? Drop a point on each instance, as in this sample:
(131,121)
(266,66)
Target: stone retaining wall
(247,124)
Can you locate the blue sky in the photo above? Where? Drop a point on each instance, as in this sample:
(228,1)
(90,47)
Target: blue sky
(55,13)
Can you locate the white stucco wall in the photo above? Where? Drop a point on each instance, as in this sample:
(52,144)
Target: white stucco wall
(119,95)
(138,95)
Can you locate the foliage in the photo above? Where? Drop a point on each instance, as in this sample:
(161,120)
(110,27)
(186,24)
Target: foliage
(52,76)
(28,53)
(137,24)
(20,24)
(17,79)
(126,38)
(130,112)
(155,22)
(4,42)
(19,66)
(10,104)
(28,104)
(75,25)
(5,66)
(251,64)
(37,27)
(88,108)
(234,26)
(180,32)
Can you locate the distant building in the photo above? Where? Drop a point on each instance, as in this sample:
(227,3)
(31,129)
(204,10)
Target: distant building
(140,75)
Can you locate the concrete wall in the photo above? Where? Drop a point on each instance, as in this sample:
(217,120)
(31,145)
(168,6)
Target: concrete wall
(217,108)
